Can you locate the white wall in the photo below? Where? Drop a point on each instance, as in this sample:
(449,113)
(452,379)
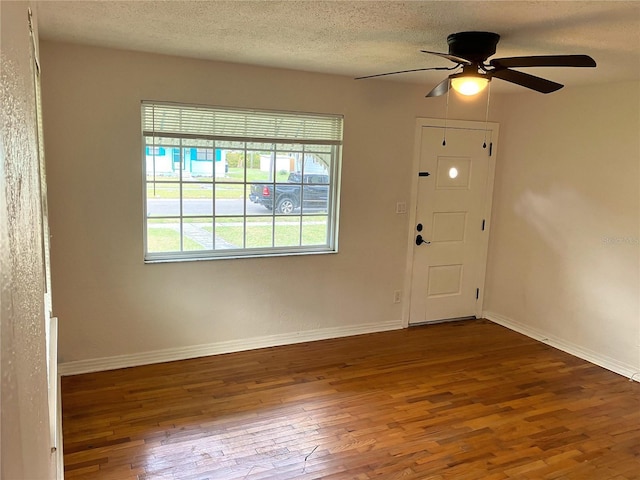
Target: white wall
(564,251)
(110,303)
(24,427)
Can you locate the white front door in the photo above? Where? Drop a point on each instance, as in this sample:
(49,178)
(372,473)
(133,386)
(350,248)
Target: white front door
(451,222)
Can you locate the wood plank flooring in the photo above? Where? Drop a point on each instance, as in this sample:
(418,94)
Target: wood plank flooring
(465,400)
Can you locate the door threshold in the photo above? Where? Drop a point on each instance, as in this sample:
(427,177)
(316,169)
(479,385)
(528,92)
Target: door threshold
(444,320)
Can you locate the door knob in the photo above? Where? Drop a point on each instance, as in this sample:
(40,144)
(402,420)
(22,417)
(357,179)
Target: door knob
(420,240)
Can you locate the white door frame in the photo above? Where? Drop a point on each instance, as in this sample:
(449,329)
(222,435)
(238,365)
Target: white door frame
(488,199)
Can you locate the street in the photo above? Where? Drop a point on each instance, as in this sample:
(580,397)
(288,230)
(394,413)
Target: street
(163,207)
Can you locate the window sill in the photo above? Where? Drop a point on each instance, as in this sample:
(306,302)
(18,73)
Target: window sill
(183,258)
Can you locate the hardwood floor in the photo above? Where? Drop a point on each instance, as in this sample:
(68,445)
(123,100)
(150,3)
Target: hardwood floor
(465,400)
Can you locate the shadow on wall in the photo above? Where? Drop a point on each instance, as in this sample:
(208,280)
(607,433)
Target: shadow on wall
(591,268)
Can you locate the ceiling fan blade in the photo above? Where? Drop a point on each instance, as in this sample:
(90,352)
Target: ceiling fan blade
(453,58)
(545,61)
(440,89)
(538,84)
(403,71)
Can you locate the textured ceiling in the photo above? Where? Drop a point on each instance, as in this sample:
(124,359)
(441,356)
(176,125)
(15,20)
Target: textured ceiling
(356,38)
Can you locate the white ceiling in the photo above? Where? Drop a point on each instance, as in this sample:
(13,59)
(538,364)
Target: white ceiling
(356,38)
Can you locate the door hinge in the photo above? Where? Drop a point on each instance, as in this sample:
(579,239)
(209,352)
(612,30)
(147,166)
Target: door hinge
(423,174)
(483,224)
(490,148)
(477,293)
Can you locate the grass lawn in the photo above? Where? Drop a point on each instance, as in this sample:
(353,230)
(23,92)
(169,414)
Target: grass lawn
(260,232)
(168,240)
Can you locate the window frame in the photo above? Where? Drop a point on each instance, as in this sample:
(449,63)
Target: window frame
(186,141)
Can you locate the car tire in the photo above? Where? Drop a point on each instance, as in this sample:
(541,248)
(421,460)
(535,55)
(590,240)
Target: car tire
(285,206)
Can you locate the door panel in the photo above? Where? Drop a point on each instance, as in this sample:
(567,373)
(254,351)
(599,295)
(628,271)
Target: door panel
(449,227)
(451,205)
(444,280)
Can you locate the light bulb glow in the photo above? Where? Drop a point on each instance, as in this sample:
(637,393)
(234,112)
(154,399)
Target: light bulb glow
(469,85)
(453,172)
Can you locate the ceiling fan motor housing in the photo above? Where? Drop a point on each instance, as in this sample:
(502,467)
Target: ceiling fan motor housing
(473,46)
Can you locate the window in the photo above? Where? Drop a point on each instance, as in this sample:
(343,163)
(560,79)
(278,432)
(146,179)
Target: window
(155,151)
(225,183)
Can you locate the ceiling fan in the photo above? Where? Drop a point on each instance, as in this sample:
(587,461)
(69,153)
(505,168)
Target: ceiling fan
(470,50)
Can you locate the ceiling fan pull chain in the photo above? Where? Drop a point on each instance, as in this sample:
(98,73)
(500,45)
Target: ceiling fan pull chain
(446,116)
(486,116)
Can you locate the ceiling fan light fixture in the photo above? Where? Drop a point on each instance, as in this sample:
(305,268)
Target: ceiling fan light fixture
(471,50)
(469,84)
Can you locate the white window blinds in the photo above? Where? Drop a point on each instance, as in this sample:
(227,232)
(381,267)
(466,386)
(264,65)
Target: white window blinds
(216,123)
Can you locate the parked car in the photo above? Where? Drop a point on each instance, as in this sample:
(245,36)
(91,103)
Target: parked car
(287,196)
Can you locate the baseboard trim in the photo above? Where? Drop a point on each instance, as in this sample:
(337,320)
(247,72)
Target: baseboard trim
(195,351)
(59,452)
(603,361)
